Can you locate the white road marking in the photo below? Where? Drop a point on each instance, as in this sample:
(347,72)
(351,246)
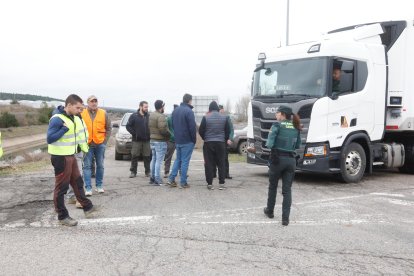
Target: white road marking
(400,202)
(119,220)
(386,194)
(47,219)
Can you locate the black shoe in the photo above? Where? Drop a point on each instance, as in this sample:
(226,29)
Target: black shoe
(268,213)
(285,221)
(132,175)
(152,180)
(229,177)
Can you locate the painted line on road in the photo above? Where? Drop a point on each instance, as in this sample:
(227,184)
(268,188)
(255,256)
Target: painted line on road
(399,202)
(48,218)
(386,194)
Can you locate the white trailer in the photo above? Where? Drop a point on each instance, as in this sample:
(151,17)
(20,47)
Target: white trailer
(367,122)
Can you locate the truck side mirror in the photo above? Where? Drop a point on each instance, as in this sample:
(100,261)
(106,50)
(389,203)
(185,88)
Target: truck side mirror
(334,96)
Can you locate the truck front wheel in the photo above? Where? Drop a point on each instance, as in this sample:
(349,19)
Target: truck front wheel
(353,163)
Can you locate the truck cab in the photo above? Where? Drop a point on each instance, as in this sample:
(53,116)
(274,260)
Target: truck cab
(354,93)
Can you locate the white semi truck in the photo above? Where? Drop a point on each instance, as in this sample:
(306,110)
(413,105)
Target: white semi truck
(364,120)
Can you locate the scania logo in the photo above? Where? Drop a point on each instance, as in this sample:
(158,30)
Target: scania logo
(271,109)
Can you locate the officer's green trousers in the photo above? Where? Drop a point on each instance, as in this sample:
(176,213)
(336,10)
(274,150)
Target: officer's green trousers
(285,169)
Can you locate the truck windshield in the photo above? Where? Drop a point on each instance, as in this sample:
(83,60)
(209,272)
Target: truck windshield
(295,79)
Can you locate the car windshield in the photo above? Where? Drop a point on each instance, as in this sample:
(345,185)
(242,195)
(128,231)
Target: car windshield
(125,119)
(303,78)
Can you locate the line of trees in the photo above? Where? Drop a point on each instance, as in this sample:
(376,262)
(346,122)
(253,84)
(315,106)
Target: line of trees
(18,97)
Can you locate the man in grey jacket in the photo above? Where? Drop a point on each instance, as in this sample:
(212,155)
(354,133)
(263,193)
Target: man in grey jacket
(215,131)
(159,134)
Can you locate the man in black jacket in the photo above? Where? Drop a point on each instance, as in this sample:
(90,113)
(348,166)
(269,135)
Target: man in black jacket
(138,127)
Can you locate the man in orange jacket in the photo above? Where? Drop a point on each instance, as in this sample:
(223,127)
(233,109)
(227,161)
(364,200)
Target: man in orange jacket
(99,129)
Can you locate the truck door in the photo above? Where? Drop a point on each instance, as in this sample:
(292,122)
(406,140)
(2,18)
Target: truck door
(350,109)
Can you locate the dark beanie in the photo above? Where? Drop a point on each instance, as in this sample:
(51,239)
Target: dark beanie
(213,106)
(285,109)
(159,104)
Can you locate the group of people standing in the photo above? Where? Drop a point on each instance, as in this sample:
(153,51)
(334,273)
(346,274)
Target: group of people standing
(161,136)
(77,134)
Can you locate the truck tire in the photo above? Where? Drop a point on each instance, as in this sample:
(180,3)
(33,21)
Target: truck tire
(242,148)
(409,159)
(118,156)
(353,163)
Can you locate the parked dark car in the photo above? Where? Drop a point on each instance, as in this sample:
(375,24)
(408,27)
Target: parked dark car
(123,139)
(240,141)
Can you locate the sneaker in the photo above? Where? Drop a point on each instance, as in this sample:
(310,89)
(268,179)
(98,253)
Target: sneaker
(222,187)
(71,200)
(88,193)
(132,175)
(92,212)
(210,187)
(148,174)
(186,185)
(100,190)
(172,183)
(229,177)
(285,221)
(78,205)
(68,222)
(152,180)
(268,213)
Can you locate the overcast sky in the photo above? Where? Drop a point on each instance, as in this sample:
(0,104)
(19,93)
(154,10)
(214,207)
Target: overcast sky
(128,51)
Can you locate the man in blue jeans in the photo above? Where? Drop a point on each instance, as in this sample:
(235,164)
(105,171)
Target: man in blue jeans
(99,129)
(159,134)
(184,125)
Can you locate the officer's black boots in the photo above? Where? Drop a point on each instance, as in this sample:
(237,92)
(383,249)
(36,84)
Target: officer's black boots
(268,213)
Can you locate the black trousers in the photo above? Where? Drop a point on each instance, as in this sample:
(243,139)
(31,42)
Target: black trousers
(226,161)
(67,173)
(140,148)
(168,156)
(214,156)
(285,169)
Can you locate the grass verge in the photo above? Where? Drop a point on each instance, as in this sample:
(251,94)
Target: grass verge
(26,167)
(237,158)
(14,132)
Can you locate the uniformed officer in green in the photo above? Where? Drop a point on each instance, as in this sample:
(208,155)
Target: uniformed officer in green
(283,139)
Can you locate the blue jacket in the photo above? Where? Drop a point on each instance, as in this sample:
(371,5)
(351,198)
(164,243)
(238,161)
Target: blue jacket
(184,125)
(56,128)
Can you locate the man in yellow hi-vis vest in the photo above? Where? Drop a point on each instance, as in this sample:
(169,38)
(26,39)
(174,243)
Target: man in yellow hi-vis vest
(1,147)
(65,138)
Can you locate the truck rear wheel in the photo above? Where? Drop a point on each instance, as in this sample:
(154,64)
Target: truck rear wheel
(409,159)
(353,163)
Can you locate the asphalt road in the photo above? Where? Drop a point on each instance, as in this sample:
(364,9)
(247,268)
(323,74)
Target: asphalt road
(336,228)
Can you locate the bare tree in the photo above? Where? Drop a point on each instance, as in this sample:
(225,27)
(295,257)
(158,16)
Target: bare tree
(241,108)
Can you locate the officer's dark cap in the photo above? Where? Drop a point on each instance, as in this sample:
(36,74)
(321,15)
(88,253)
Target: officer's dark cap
(285,109)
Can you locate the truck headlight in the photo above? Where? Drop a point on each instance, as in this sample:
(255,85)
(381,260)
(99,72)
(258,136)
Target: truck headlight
(315,151)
